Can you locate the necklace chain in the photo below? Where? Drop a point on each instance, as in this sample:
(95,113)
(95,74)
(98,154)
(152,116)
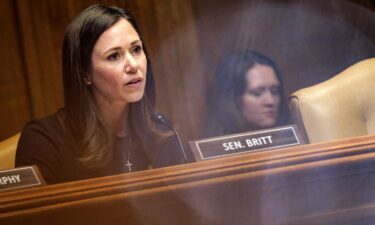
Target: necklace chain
(128,162)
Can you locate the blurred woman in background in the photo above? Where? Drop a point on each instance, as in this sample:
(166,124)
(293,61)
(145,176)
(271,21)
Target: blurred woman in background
(246,95)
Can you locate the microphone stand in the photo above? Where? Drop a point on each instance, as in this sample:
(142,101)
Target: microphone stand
(159,118)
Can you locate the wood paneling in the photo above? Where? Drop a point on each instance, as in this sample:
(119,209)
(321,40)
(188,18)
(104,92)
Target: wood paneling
(310,40)
(41,28)
(310,184)
(15,105)
(170,31)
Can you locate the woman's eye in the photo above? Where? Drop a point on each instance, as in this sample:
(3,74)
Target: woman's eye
(256,93)
(114,56)
(275,90)
(136,50)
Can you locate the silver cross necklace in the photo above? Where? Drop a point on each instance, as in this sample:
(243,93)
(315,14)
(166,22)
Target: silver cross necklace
(128,162)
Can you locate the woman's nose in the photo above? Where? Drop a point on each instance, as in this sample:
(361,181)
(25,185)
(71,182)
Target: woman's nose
(131,65)
(269,98)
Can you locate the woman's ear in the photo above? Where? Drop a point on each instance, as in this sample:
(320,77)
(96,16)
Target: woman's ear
(87,80)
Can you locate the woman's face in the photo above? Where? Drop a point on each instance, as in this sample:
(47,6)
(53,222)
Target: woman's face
(118,65)
(261,99)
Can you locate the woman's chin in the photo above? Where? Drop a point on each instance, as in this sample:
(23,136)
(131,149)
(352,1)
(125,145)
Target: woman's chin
(134,98)
(269,123)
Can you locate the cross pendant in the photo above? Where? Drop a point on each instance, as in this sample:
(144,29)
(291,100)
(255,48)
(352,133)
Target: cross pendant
(129,165)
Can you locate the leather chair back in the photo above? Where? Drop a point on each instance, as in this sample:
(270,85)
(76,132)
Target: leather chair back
(341,107)
(8,149)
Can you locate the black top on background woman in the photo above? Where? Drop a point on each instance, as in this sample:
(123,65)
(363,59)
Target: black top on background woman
(246,95)
(105,126)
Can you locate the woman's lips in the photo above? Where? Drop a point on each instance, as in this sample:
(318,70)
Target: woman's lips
(135,82)
(270,114)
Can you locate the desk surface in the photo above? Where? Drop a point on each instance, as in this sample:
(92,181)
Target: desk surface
(315,182)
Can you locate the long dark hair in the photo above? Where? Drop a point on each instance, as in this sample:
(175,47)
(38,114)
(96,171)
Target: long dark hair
(80,117)
(229,84)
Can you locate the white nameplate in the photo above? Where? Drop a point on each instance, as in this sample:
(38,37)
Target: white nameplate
(21,177)
(245,142)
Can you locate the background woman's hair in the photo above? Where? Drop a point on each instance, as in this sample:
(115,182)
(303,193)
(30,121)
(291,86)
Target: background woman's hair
(80,117)
(229,84)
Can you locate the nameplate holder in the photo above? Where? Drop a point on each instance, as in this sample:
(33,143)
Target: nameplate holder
(278,137)
(19,178)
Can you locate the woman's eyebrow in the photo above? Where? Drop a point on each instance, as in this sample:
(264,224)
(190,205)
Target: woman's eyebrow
(136,42)
(119,48)
(112,49)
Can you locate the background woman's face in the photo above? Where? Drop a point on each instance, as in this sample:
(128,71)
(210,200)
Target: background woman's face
(119,65)
(261,99)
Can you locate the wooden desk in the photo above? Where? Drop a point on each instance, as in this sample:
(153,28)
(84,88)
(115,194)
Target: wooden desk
(326,183)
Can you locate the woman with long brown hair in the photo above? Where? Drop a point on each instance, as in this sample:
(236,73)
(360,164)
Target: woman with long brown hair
(105,126)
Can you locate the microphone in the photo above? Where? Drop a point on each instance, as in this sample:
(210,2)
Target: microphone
(160,119)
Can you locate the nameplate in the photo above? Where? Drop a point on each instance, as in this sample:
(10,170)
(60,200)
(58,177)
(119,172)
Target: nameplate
(245,142)
(21,177)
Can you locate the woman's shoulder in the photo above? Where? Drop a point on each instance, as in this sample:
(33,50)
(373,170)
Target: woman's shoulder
(43,129)
(48,123)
